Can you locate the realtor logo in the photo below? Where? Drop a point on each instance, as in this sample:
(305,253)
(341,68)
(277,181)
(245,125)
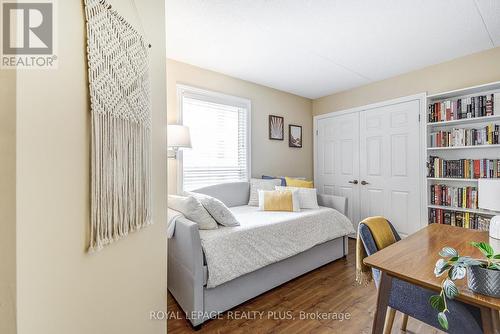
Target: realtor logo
(28,34)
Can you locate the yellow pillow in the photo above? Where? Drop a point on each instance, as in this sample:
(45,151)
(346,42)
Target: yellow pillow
(278,200)
(291,182)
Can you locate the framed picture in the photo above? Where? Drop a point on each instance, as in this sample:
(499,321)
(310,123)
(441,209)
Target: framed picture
(276,128)
(294,136)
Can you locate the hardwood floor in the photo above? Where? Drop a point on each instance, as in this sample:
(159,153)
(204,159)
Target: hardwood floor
(328,290)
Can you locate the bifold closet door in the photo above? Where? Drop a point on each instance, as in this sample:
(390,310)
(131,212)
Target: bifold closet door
(389,164)
(337,154)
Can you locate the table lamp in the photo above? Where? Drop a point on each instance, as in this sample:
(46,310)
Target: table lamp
(178,138)
(489,198)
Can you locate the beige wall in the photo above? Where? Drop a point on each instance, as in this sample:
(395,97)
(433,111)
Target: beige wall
(476,69)
(8,202)
(268,156)
(61,288)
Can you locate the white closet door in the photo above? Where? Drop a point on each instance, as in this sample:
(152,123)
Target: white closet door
(389,164)
(337,154)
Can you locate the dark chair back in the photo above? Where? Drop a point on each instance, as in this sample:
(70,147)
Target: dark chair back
(414,300)
(371,248)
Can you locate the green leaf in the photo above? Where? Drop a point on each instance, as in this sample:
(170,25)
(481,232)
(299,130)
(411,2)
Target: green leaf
(437,303)
(450,289)
(443,321)
(485,248)
(448,252)
(441,267)
(457,272)
(496,257)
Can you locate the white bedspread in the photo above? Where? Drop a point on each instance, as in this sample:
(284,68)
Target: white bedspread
(265,238)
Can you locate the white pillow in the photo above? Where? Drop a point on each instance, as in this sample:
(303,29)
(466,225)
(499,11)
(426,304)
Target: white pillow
(219,211)
(192,209)
(295,199)
(308,197)
(260,184)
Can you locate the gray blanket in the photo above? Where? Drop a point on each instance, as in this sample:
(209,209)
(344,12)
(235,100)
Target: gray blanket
(265,238)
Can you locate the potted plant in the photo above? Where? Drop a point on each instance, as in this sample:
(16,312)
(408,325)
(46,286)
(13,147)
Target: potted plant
(483,276)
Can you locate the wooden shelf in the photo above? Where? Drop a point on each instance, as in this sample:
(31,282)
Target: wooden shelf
(451,179)
(474,120)
(450,208)
(463,147)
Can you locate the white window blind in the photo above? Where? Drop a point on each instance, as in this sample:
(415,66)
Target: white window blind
(220,142)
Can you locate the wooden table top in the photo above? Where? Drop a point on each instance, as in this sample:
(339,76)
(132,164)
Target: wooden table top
(413,259)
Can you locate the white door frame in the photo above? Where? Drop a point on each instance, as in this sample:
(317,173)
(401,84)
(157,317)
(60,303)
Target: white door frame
(422,98)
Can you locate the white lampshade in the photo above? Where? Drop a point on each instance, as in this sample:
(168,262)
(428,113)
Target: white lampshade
(489,194)
(178,136)
(489,198)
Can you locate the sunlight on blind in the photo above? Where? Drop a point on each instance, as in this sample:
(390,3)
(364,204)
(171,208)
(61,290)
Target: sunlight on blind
(219,139)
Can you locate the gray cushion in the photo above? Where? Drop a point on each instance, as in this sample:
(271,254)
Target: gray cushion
(260,184)
(218,210)
(193,210)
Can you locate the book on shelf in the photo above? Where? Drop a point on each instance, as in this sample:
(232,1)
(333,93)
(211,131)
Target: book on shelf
(487,135)
(463,168)
(460,219)
(455,197)
(467,107)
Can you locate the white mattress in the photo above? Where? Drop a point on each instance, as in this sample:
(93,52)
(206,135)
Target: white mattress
(266,237)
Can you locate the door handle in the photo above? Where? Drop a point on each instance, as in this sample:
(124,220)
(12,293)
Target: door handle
(364,183)
(354,181)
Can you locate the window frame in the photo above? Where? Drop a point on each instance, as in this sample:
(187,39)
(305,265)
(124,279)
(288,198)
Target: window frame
(214,97)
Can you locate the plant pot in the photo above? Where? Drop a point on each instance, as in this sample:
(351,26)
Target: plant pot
(484,281)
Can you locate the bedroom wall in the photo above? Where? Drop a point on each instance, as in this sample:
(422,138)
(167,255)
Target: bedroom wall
(475,69)
(8,202)
(268,156)
(61,288)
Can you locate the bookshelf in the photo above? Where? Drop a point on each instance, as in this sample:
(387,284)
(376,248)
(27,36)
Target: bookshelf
(451,179)
(488,155)
(465,121)
(478,211)
(472,147)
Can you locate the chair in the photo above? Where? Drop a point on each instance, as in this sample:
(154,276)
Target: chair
(413,301)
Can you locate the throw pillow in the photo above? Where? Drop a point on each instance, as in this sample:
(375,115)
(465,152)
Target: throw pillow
(308,197)
(218,210)
(258,184)
(283,180)
(277,200)
(291,182)
(192,209)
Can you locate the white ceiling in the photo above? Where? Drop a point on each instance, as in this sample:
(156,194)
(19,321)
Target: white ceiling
(314,48)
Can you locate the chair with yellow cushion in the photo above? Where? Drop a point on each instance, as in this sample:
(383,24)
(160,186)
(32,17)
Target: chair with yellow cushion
(374,234)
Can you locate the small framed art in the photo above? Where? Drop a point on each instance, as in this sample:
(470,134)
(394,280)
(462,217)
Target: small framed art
(294,136)
(276,127)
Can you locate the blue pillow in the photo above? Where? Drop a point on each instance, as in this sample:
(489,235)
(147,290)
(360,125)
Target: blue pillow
(283,180)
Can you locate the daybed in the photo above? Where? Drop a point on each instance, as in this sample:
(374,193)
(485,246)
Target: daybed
(193,254)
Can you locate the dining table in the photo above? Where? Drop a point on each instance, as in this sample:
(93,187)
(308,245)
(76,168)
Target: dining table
(413,259)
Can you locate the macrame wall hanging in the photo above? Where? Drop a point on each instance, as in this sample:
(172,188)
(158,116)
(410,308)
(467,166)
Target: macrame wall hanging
(118,60)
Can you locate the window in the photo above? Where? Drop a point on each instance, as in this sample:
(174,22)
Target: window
(220,136)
